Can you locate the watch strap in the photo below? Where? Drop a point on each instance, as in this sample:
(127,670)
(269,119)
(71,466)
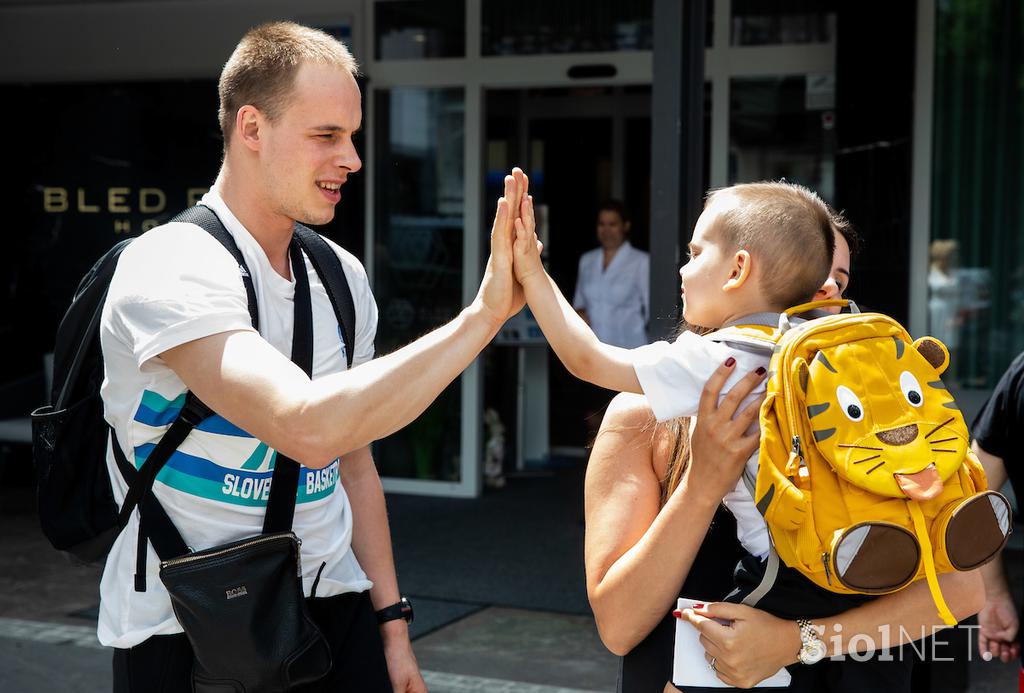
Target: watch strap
(810,641)
(400,609)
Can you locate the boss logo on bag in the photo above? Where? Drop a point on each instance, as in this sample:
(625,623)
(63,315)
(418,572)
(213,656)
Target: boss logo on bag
(236,592)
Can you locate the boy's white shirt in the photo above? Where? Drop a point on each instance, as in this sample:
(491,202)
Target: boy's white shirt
(672,376)
(172,285)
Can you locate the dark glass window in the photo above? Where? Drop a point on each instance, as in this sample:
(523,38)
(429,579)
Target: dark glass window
(782,127)
(533,27)
(760,22)
(418,246)
(410,29)
(976,254)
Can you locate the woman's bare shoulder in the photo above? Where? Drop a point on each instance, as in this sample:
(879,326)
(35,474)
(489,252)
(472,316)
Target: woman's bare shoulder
(628,409)
(632,411)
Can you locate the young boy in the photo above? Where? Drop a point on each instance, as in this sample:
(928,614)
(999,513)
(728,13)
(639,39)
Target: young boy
(757,249)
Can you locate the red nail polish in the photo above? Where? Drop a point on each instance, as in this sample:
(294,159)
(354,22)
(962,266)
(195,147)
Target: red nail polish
(677,613)
(761,370)
(730,362)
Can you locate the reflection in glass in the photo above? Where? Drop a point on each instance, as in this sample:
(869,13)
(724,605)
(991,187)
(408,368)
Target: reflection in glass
(418,257)
(977,207)
(782,127)
(760,22)
(410,29)
(532,27)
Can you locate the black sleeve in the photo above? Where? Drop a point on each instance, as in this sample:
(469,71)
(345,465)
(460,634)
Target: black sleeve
(1001,419)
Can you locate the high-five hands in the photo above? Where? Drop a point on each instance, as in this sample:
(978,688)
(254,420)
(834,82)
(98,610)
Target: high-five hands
(500,294)
(526,248)
(515,251)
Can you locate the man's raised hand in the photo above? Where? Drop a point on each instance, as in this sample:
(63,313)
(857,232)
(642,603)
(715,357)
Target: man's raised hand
(499,292)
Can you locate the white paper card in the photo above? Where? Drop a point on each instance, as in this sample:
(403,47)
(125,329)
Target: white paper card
(689,666)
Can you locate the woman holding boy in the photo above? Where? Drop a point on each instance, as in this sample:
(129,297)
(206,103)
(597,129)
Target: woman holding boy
(756,249)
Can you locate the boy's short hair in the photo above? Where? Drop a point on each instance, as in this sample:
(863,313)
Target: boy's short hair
(261,70)
(787,230)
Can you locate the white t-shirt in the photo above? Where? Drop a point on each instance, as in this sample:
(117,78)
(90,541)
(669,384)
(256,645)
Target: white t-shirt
(617,298)
(673,376)
(175,284)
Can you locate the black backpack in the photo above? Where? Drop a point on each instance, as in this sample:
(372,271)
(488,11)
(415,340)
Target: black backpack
(69,437)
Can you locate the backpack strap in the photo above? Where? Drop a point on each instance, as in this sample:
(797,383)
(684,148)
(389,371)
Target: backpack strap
(771,575)
(154,522)
(285,480)
(921,531)
(733,335)
(191,415)
(328,267)
(206,219)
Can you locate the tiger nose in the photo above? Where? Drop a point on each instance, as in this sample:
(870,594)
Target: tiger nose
(898,436)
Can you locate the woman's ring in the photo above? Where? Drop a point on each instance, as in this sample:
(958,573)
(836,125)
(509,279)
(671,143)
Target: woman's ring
(714,660)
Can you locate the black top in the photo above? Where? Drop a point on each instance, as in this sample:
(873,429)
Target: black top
(649,665)
(998,426)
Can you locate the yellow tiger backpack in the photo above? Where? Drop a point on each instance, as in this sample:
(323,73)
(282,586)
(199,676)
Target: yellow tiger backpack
(865,474)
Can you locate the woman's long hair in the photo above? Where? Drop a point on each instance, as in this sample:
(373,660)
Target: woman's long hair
(679,459)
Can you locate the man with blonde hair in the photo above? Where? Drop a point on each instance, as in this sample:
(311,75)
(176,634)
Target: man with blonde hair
(176,320)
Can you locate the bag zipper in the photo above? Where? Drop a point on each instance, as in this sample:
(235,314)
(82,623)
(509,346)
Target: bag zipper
(213,553)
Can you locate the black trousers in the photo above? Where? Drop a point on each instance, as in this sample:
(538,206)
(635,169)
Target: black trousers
(163,663)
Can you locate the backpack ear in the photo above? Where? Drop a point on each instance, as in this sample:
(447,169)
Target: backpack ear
(934,352)
(803,375)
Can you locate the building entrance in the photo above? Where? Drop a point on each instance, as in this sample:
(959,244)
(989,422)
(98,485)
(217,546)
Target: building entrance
(581,148)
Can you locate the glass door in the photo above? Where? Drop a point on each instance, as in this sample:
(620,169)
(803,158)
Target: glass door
(427,222)
(418,257)
(423,263)
(432,72)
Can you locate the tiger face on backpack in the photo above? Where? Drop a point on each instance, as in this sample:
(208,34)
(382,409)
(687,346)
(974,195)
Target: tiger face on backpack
(866,478)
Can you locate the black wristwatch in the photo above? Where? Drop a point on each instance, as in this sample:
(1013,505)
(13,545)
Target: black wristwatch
(402,609)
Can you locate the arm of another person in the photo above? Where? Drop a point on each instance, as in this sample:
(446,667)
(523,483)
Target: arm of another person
(575,344)
(637,554)
(245,380)
(371,542)
(998,619)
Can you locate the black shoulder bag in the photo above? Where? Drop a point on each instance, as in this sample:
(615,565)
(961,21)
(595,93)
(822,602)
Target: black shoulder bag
(241,604)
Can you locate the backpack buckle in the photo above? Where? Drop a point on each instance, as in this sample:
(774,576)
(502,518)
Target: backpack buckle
(784,323)
(194,412)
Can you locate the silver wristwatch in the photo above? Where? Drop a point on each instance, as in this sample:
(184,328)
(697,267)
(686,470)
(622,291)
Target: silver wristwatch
(812,648)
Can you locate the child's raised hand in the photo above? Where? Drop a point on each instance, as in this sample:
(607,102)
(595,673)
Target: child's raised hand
(526,248)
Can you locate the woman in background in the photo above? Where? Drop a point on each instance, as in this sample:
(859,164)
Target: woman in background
(613,291)
(613,283)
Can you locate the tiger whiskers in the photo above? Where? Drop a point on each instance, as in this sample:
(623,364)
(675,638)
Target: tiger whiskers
(932,432)
(859,447)
(867,459)
(875,467)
